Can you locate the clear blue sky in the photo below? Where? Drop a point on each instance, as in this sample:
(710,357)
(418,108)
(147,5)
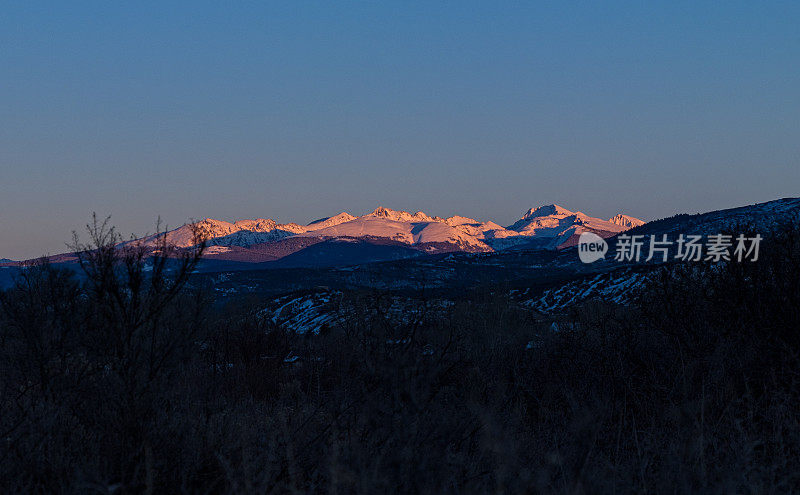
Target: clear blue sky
(299,110)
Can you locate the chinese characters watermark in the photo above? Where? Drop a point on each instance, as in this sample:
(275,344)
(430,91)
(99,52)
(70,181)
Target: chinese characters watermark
(635,248)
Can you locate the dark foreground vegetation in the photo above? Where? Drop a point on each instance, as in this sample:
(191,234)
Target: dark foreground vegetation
(125,382)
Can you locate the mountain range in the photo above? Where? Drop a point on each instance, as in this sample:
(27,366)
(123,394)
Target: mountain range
(399,233)
(397,249)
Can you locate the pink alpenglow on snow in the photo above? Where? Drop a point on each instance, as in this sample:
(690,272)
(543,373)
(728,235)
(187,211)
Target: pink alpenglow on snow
(549,227)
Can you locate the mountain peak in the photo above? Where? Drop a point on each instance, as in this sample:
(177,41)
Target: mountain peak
(401,216)
(340,216)
(259,224)
(626,221)
(382,211)
(211,223)
(322,223)
(546,211)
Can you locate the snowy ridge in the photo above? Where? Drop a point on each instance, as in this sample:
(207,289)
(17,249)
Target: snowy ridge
(304,313)
(324,309)
(316,311)
(619,287)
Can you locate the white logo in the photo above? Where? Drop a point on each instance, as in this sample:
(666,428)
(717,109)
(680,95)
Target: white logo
(591,247)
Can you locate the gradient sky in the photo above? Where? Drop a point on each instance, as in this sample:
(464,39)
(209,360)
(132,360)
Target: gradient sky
(298,110)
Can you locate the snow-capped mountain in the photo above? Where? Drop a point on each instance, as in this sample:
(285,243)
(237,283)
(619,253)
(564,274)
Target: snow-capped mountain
(625,221)
(330,221)
(402,226)
(401,216)
(243,233)
(554,220)
(547,226)
(537,216)
(553,226)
